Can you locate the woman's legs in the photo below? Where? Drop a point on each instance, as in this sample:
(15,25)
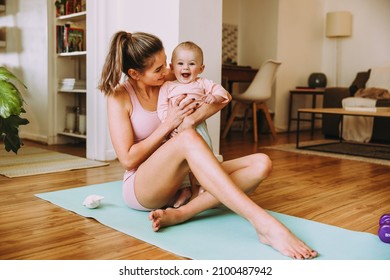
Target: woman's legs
(220,180)
(171,163)
(246,172)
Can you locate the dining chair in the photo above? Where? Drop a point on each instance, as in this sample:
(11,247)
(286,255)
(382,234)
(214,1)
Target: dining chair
(255,97)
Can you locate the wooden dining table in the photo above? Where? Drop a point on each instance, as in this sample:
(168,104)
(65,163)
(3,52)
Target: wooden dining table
(237,74)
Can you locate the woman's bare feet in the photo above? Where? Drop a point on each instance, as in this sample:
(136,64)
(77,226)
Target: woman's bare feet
(172,216)
(165,217)
(270,232)
(276,235)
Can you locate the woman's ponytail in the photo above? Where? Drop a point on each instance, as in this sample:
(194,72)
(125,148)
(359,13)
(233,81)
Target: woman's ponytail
(112,68)
(127,51)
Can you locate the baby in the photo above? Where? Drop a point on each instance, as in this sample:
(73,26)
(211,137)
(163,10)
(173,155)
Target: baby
(187,64)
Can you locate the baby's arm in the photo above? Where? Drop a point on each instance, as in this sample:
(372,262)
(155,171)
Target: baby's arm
(215,93)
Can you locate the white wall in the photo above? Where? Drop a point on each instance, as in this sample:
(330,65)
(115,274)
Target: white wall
(258,31)
(257,23)
(26,55)
(369,44)
(191,28)
(299,47)
(231,11)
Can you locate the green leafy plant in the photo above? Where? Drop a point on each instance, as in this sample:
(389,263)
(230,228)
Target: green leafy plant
(11,107)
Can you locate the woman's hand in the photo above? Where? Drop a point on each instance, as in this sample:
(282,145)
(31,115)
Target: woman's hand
(188,122)
(202,112)
(178,111)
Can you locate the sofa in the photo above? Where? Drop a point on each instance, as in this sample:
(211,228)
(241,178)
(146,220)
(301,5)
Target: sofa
(333,97)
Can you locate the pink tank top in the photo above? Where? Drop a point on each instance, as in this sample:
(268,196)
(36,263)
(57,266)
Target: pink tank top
(143,122)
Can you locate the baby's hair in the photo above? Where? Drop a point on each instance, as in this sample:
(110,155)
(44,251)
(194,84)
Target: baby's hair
(189,46)
(128,51)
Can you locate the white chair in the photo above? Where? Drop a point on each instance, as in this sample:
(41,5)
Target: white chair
(255,97)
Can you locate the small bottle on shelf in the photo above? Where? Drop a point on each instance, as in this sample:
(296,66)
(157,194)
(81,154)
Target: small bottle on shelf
(70,125)
(77,114)
(82,122)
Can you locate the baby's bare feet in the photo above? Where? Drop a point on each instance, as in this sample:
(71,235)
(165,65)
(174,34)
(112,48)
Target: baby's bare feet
(184,195)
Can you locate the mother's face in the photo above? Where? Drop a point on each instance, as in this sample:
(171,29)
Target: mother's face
(155,74)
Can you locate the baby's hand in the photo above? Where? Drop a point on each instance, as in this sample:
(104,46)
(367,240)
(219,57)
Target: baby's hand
(212,99)
(209,99)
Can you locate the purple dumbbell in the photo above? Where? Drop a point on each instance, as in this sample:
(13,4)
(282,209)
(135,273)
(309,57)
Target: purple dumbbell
(385,218)
(384,228)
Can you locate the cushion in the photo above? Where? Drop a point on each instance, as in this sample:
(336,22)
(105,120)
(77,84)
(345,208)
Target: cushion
(359,82)
(379,78)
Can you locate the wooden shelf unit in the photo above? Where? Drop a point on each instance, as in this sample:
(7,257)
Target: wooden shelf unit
(3,32)
(70,65)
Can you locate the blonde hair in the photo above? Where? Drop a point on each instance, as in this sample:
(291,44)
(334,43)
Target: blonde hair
(127,51)
(188,45)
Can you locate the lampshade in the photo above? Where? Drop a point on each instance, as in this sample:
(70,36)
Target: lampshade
(338,24)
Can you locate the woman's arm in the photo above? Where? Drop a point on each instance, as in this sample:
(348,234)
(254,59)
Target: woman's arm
(202,113)
(162,103)
(129,153)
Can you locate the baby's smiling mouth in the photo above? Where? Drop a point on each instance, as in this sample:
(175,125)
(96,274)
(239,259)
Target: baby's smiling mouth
(185,75)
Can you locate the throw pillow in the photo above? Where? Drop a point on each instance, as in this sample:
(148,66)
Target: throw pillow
(359,81)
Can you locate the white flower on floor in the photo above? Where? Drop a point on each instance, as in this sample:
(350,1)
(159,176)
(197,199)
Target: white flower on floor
(92,201)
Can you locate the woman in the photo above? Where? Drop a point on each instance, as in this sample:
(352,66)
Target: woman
(155,168)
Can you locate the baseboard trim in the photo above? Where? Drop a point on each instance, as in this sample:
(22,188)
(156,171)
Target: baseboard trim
(34,137)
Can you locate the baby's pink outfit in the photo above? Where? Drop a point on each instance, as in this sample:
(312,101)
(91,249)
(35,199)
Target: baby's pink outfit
(171,90)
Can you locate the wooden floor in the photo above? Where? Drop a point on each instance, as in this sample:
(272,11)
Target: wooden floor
(344,193)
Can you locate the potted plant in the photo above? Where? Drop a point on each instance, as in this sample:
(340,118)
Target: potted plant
(11,107)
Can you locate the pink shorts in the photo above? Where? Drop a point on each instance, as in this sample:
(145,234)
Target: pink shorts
(129,192)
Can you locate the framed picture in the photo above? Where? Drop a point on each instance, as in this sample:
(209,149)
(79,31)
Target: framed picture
(75,39)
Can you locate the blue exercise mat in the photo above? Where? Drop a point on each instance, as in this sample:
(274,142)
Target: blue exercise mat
(217,234)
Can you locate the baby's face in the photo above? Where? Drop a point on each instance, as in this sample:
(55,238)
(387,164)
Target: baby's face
(187,65)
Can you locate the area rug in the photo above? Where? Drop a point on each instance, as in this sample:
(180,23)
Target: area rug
(338,150)
(217,234)
(33,161)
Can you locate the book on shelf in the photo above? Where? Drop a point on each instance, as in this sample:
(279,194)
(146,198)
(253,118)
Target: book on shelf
(75,39)
(74,6)
(60,38)
(368,109)
(79,6)
(71,84)
(68,7)
(69,39)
